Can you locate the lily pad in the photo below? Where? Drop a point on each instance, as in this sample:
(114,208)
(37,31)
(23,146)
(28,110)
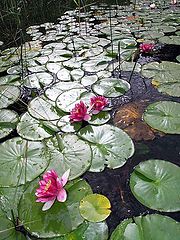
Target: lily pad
(163,116)
(66,126)
(43,109)
(111,87)
(110,145)
(55,90)
(153,227)
(8,121)
(10,80)
(22,161)
(67,100)
(32,129)
(155,184)
(95,207)
(100,118)
(38,80)
(8,95)
(69,152)
(61,219)
(175,40)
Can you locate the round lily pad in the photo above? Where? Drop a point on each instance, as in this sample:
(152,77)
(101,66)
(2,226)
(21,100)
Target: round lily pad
(55,90)
(175,40)
(60,219)
(8,121)
(110,145)
(69,152)
(22,161)
(153,227)
(38,80)
(100,118)
(10,80)
(67,100)
(163,116)
(155,184)
(95,207)
(32,129)
(111,87)
(66,126)
(43,109)
(8,95)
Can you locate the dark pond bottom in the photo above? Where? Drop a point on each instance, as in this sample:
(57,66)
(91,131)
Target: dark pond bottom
(115,183)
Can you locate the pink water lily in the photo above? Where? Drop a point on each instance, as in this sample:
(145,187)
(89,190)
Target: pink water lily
(97,104)
(51,187)
(79,113)
(146,47)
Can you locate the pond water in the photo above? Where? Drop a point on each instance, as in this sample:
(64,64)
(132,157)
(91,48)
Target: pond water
(104,43)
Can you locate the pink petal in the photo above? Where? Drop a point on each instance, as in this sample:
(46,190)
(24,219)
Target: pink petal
(64,177)
(48,205)
(62,195)
(87,117)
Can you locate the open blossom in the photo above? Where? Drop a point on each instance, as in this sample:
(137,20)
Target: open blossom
(79,113)
(51,187)
(97,104)
(146,47)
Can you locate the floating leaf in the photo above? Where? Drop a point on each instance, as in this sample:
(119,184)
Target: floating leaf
(22,161)
(8,95)
(110,145)
(155,184)
(153,226)
(163,116)
(32,129)
(38,80)
(8,121)
(100,118)
(67,100)
(60,219)
(175,40)
(111,87)
(69,152)
(95,207)
(66,126)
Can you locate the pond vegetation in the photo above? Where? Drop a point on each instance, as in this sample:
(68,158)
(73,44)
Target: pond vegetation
(90,121)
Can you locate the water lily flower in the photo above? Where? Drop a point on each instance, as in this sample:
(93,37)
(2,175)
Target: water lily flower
(51,187)
(79,113)
(97,104)
(146,47)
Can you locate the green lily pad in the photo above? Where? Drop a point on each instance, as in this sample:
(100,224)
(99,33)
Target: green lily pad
(149,227)
(150,35)
(60,219)
(111,87)
(43,109)
(69,152)
(67,100)
(7,229)
(55,90)
(178,58)
(89,80)
(110,146)
(22,161)
(87,231)
(163,116)
(8,121)
(100,118)
(53,67)
(155,184)
(8,95)
(38,80)
(10,80)
(32,129)
(175,40)
(95,207)
(66,126)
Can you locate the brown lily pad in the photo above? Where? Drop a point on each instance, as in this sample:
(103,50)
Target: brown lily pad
(129,118)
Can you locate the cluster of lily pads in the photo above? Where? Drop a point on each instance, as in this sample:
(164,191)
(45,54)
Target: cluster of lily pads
(75,68)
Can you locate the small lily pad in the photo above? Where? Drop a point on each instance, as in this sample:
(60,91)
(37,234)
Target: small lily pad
(100,118)
(8,95)
(66,126)
(95,207)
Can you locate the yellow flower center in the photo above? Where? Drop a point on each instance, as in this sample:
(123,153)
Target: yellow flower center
(47,185)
